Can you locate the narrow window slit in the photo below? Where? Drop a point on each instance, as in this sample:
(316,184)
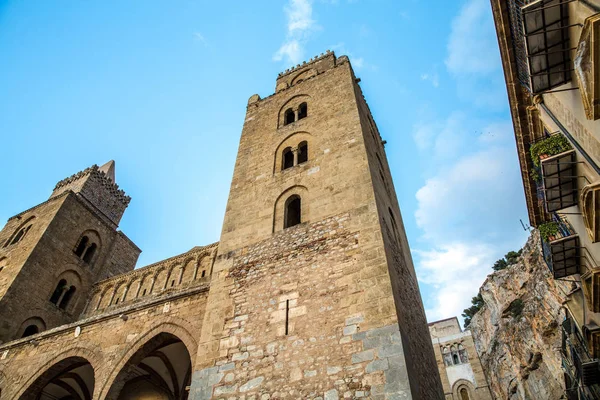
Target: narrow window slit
(287,317)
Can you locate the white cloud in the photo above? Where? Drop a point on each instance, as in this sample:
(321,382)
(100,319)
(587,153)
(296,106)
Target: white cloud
(472,46)
(473,58)
(433,78)
(300,25)
(357,62)
(468,211)
(454,270)
(291,50)
(445,139)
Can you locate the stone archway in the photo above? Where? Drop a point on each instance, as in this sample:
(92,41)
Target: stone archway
(72,378)
(463,390)
(160,369)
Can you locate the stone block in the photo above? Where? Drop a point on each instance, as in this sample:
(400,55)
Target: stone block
(252,384)
(366,355)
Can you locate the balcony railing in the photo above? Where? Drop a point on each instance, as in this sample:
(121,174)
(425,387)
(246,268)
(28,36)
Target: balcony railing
(540,37)
(560,245)
(554,172)
(583,371)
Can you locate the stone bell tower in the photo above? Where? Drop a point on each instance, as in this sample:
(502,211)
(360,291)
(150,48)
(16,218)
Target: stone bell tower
(314,293)
(52,253)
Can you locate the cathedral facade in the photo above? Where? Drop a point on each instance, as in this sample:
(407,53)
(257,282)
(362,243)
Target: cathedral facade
(310,293)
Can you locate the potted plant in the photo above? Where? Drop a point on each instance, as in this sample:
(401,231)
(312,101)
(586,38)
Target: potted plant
(549,147)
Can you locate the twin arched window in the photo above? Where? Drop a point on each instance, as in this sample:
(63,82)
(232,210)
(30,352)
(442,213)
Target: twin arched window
(294,156)
(455,355)
(86,249)
(20,234)
(63,294)
(293,115)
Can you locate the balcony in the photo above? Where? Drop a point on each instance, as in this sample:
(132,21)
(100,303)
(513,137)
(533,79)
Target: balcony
(555,173)
(582,372)
(540,36)
(560,245)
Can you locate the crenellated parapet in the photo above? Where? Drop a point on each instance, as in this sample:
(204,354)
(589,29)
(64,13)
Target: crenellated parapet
(162,279)
(97,185)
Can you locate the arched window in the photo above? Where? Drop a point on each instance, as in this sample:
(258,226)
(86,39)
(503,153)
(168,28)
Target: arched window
(302,152)
(455,359)
(58,291)
(30,330)
(289,117)
(462,354)
(20,234)
(81,246)
(288,158)
(67,298)
(464,394)
(302,111)
(87,247)
(293,211)
(447,357)
(89,254)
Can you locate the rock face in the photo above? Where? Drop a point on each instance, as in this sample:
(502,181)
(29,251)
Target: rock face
(517,333)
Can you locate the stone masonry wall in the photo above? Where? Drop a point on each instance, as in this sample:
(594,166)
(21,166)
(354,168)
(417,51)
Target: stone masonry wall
(172,275)
(106,340)
(302,278)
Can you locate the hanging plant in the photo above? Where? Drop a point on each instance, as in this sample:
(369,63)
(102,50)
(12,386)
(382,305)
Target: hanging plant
(549,147)
(535,175)
(548,231)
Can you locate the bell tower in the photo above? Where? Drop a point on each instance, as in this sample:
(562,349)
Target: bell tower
(314,272)
(52,253)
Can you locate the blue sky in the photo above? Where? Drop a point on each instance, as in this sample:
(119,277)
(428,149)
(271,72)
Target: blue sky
(162,86)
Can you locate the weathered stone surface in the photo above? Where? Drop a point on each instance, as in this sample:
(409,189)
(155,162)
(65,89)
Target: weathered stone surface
(508,345)
(271,311)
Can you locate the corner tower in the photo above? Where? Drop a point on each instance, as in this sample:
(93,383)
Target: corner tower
(314,293)
(51,254)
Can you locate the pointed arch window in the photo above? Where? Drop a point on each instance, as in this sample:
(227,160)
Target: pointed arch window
(302,111)
(289,117)
(293,211)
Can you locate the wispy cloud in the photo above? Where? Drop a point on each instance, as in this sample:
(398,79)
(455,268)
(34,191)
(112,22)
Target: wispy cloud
(469,210)
(300,25)
(432,77)
(472,47)
(473,58)
(357,62)
(200,38)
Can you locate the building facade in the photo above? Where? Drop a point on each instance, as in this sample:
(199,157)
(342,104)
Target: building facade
(310,293)
(550,52)
(459,365)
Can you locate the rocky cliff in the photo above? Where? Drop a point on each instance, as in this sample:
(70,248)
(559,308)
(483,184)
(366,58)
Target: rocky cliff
(517,331)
